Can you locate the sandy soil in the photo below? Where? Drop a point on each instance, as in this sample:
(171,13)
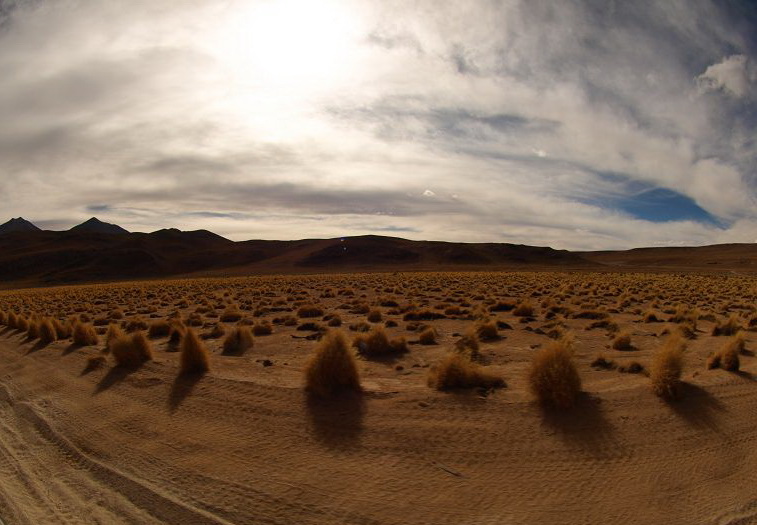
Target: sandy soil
(245,444)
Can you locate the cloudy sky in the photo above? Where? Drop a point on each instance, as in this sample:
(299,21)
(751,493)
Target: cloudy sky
(579,125)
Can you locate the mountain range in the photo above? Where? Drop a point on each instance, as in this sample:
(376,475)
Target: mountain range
(95,251)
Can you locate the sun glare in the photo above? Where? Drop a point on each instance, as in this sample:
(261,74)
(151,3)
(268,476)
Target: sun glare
(290,45)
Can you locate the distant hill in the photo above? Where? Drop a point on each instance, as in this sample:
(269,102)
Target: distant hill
(94,254)
(95,225)
(18,224)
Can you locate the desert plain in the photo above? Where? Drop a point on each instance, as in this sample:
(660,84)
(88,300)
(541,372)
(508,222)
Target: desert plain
(85,440)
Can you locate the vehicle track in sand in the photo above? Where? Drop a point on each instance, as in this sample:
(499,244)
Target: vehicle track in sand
(142,447)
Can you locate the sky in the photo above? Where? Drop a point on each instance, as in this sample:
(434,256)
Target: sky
(577,125)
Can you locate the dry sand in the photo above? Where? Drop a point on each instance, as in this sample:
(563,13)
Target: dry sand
(244,444)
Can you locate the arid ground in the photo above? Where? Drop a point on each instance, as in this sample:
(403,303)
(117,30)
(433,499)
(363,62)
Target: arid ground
(85,441)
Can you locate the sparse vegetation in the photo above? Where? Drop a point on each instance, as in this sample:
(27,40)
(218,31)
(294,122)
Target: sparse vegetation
(553,377)
(667,367)
(332,368)
(457,371)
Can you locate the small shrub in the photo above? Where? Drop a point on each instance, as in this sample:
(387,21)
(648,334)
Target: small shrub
(667,367)
(84,334)
(262,328)
(553,378)
(428,336)
(309,310)
(130,351)
(727,357)
(487,331)
(457,371)
(47,333)
(194,358)
(332,367)
(335,321)
(468,344)
(238,341)
(728,327)
(603,363)
(231,315)
(376,343)
(524,309)
(622,342)
(374,316)
(159,329)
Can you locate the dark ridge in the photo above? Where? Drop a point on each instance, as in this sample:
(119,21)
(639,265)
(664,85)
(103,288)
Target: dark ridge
(95,225)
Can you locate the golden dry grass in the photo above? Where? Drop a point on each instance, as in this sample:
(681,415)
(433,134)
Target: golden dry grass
(195,358)
(130,351)
(84,334)
(666,368)
(332,367)
(457,371)
(238,341)
(552,376)
(377,343)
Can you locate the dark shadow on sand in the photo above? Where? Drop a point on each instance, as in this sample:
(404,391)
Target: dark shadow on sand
(71,348)
(697,407)
(114,376)
(181,388)
(747,376)
(39,345)
(584,426)
(336,422)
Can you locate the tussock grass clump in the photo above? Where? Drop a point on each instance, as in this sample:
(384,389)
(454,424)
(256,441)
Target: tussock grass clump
(195,358)
(309,310)
(524,309)
(218,331)
(377,343)
(622,342)
(3,318)
(32,332)
(457,371)
(12,321)
(487,331)
(650,316)
(428,336)
(63,329)
(47,332)
(468,344)
(84,334)
(602,363)
(728,327)
(114,332)
(262,328)
(332,368)
(231,315)
(238,341)
(552,377)
(727,357)
(374,316)
(667,367)
(22,323)
(160,328)
(335,321)
(130,351)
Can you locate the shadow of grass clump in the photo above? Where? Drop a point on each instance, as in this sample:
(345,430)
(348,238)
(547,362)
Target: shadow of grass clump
(697,407)
(584,426)
(336,422)
(181,388)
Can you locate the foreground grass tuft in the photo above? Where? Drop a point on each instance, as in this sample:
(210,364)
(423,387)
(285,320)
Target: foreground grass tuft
(332,368)
(552,377)
(667,367)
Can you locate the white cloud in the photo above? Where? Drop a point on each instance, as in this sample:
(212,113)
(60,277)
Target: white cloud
(736,75)
(147,108)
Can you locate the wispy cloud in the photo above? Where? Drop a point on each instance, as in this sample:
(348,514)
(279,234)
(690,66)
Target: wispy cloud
(572,124)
